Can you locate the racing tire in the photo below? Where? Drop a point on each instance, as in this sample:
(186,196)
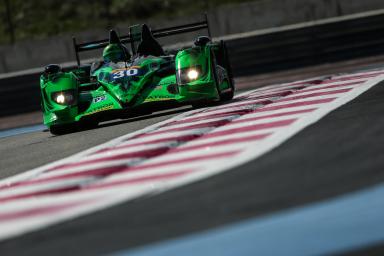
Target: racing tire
(62,129)
(202,104)
(88,125)
(223,96)
(226,96)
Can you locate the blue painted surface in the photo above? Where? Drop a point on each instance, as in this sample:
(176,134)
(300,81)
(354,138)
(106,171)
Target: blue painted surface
(341,224)
(21,130)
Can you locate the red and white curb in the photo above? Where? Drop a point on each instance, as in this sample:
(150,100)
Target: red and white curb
(189,147)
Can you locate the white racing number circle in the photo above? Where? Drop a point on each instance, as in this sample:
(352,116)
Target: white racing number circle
(123,73)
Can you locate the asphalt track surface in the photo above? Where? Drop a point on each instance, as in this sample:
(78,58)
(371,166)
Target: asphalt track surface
(339,154)
(26,151)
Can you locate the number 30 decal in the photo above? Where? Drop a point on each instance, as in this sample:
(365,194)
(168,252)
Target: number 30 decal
(128,72)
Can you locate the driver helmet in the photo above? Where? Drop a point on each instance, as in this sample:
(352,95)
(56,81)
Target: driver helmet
(115,53)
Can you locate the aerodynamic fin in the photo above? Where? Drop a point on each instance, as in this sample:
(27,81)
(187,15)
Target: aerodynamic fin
(113,37)
(131,38)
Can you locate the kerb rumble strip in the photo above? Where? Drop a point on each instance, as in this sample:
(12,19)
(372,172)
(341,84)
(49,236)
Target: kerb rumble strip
(189,147)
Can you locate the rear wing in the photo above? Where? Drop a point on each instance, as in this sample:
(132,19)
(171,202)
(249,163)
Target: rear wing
(133,37)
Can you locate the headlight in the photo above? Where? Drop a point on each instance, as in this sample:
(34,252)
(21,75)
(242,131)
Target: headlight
(64,97)
(193,74)
(60,98)
(187,75)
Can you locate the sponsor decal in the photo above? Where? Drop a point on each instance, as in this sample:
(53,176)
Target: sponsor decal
(99,109)
(99,99)
(158,98)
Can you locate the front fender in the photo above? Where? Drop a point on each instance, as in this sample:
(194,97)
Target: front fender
(199,58)
(54,83)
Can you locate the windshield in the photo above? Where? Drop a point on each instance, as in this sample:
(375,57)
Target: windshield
(135,34)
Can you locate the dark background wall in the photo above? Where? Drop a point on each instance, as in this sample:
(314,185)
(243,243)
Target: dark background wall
(225,20)
(253,53)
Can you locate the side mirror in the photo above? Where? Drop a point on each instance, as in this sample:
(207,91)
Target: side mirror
(52,69)
(202,41)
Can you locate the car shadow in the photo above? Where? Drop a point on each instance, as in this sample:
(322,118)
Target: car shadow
(144,117)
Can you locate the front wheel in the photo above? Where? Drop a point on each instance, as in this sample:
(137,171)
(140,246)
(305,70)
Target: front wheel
(218,71)
(88,125)
(202,104)
(62,129)
(74,127)
(227,94)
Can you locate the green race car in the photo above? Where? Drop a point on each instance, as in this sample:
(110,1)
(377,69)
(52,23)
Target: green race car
(136,81)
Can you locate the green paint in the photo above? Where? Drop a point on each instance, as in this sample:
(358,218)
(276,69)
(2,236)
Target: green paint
(127,86)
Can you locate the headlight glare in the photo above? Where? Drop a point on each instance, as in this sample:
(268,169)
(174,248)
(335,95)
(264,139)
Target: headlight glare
(60,99)
(186,75)
(192,74)
(64,97)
